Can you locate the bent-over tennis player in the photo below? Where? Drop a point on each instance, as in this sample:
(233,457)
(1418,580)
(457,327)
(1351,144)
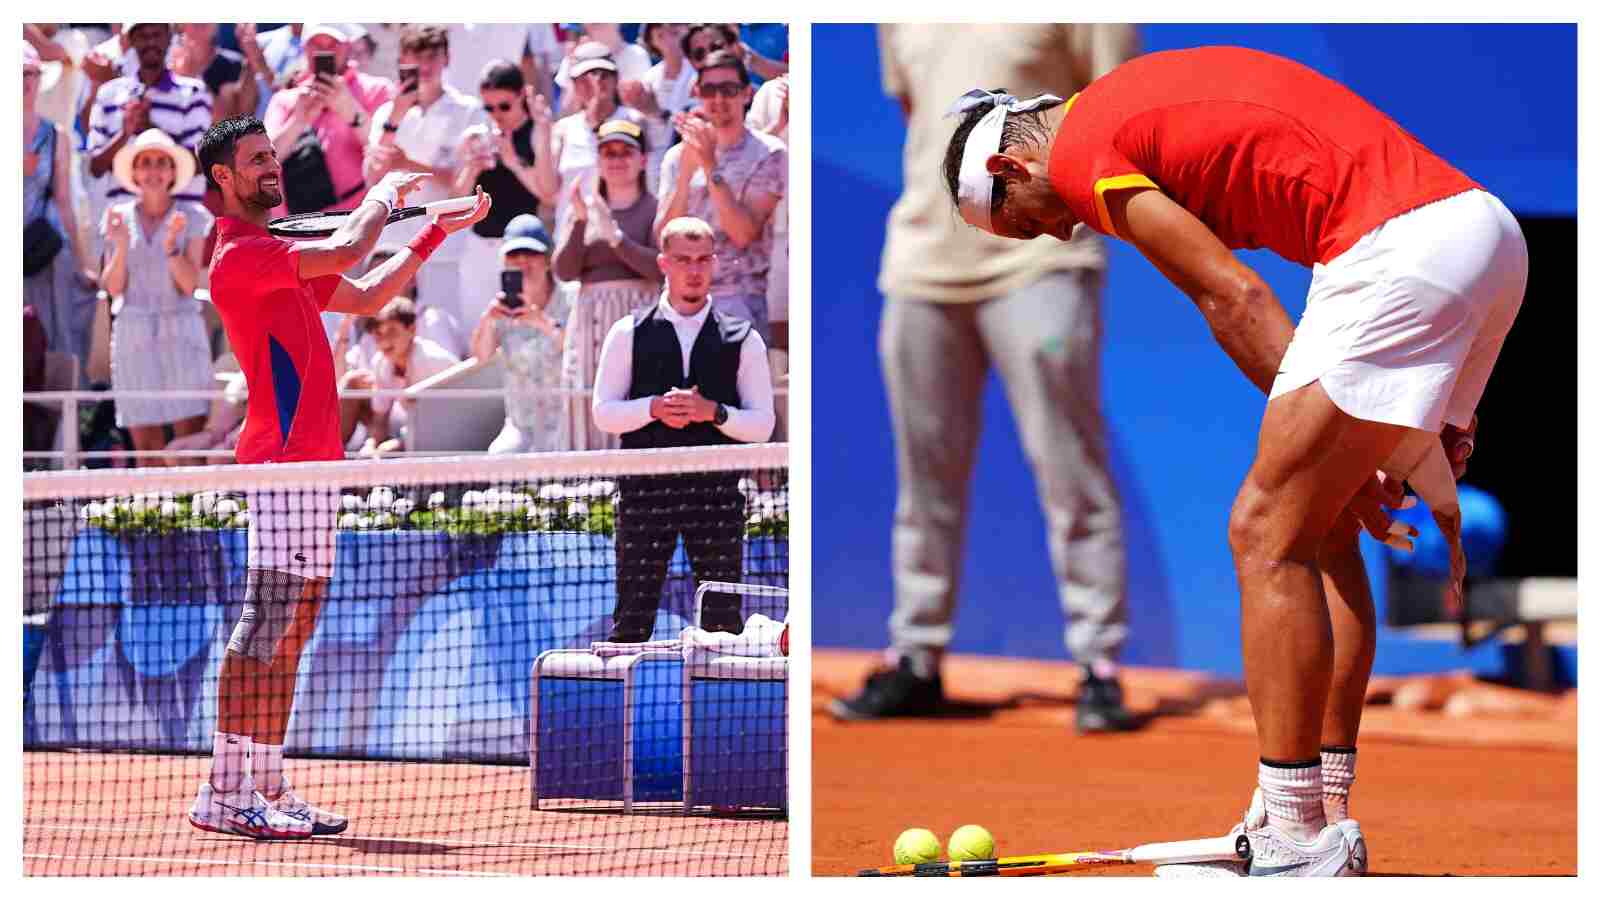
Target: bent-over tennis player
(1418,274)
(269,293)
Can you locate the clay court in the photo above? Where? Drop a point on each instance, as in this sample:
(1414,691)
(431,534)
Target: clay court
(121,814)
(1454,778)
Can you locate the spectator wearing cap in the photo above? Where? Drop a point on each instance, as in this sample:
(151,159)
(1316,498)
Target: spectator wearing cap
(573,151)
(608,248)
(159,340)
(319,126)
(632,62)
(665,90)
(500,157)
(420,131)
(527,331)
(56,270)
(732,177)
(152,97)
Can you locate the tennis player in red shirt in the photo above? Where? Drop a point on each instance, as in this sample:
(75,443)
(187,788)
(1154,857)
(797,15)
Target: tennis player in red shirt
(1418,273)
(269,293)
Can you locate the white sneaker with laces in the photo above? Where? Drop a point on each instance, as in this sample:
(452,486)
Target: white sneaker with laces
(243,812)
(289,804)
(1273,852)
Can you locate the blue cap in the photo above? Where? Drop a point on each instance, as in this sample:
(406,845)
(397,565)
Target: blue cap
(525,232)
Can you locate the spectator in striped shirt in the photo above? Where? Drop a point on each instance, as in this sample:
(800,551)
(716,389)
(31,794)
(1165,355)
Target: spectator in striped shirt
(153,97)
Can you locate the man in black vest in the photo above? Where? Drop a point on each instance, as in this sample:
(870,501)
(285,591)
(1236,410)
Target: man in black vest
(680,374)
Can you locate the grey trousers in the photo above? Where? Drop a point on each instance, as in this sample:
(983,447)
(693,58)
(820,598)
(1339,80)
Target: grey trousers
(1045,341)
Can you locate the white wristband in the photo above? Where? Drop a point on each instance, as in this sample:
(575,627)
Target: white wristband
(384,193)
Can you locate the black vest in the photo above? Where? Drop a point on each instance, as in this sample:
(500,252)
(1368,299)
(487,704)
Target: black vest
(658,368)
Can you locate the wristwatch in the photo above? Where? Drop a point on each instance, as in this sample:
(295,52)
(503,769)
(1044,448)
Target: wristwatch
(720,417)
(718,180)
(390,127)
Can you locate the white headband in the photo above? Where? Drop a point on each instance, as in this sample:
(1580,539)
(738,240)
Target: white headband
(974,185)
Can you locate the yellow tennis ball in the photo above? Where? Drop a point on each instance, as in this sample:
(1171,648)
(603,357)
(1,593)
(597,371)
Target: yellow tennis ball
(971,842)
(916,845)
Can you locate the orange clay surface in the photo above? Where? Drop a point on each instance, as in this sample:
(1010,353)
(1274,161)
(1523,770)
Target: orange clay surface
(124,814)
(1453,777)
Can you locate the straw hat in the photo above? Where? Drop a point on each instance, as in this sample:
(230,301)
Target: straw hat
(152,139)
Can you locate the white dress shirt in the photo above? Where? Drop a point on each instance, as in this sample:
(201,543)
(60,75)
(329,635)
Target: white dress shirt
(614,413)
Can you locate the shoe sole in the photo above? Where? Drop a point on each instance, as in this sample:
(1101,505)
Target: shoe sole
(260,836)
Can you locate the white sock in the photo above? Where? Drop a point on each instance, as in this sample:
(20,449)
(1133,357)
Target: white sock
(1338,774)
(1293,795)
(228,755)
(266,765)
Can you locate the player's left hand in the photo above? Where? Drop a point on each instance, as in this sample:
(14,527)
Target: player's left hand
(454,222)
(1371,507)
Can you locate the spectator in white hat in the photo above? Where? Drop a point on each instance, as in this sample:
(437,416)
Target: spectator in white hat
(631,60)
(573,150)
(159,340)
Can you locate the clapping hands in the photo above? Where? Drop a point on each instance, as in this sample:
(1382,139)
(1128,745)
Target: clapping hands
(681,407)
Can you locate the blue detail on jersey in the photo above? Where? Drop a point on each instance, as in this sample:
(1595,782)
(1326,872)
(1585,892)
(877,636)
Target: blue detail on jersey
(285,386)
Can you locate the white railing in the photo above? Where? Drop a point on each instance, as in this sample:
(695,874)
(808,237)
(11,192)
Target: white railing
(72,456)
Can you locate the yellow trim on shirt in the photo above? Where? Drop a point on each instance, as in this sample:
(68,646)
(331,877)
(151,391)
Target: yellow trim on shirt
(1115,183)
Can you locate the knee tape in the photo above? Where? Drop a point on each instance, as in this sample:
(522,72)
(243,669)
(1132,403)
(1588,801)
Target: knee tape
(270,599)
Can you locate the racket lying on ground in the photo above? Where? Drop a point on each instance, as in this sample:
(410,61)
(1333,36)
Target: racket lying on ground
(323,224)
(1234,848)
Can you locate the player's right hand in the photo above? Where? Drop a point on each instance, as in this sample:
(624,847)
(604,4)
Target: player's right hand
(1371,507)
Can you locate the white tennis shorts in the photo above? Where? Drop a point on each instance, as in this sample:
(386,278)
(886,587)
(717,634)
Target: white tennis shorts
(292,529)
(1405,326)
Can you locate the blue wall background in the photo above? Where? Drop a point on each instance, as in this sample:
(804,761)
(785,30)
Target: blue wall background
(1498,101)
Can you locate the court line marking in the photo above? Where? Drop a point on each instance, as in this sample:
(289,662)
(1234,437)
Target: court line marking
(488,845)
(233,862)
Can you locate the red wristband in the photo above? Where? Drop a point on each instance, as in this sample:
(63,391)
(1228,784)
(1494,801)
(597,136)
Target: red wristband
(427,241)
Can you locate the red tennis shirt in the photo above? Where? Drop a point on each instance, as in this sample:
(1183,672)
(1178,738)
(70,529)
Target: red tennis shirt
(274,325)
(1265,151)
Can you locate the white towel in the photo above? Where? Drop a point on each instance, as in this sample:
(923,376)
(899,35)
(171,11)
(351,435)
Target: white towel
(760,638)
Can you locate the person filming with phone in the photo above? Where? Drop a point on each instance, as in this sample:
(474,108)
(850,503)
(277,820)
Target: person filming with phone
(526,324)
(318,127)
(420,131)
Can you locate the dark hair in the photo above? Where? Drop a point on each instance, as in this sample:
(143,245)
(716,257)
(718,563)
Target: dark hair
(400,309)
(645,32)
(500,75)
(727,32)
(723,59)
(415,38)
(217,145)
(1020,129)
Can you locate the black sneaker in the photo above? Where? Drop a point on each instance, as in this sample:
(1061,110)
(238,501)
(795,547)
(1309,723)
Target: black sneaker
(892,692)
(1100,706)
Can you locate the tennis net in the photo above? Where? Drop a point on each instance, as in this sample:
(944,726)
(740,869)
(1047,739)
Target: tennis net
(468,690)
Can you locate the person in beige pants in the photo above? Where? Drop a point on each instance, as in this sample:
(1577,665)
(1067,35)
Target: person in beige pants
(958,302)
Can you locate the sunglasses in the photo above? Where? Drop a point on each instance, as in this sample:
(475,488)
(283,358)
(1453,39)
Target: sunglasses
(700,53)
(498,107)
(728,89)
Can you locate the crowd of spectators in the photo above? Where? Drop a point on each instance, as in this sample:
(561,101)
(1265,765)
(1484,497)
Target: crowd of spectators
(589,137)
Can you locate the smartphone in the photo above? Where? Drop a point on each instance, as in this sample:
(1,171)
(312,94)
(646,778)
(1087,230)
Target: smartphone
(511,285)
(408,77)
(323,64)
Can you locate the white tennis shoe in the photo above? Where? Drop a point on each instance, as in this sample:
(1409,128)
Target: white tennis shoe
(243,812)
(1357,844)
(321,821)
(1340,850)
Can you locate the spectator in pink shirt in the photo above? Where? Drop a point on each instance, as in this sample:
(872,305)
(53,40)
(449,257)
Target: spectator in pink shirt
(319,126)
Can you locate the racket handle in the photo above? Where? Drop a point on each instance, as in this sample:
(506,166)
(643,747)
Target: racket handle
(452,205)
(1204,850)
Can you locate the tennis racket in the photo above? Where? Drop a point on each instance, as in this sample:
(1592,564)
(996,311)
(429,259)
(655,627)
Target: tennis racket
(323,224)
(1234,848)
